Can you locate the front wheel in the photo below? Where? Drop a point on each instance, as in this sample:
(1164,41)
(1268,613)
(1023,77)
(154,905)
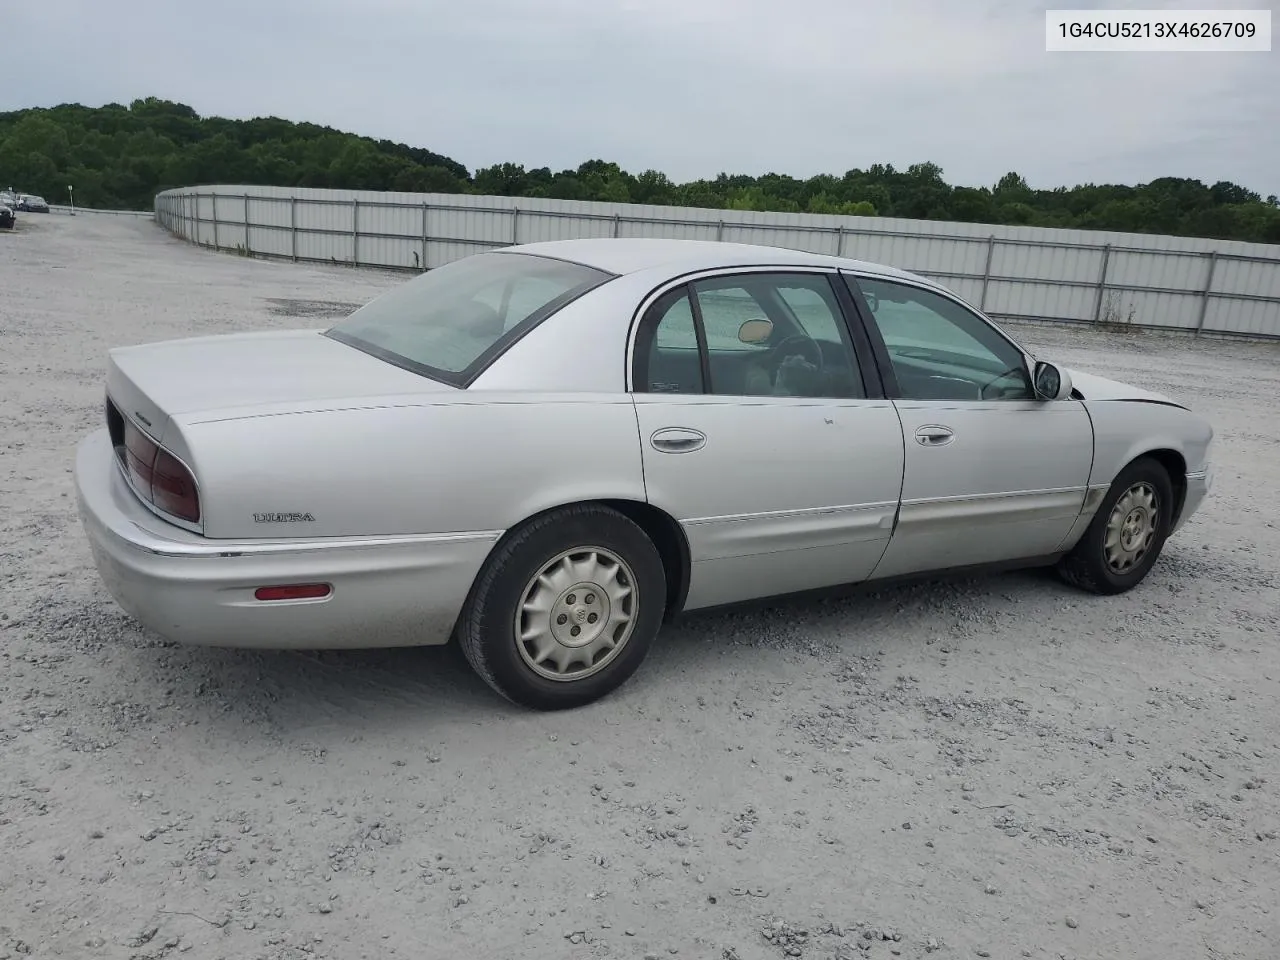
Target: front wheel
(566,609)
(1127,533)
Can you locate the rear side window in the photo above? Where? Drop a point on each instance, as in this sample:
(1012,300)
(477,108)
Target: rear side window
(452,322)
(749,335)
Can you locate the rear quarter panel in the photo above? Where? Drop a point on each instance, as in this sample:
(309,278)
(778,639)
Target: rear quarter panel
(481,462)
(582,347)
(1126,429)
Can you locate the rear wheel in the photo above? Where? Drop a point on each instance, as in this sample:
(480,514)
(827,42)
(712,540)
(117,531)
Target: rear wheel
(1127,534)
(566,609)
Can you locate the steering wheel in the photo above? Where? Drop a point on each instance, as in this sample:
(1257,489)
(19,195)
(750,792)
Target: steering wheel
(779,351)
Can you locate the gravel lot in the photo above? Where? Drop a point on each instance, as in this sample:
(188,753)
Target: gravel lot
(1000,767)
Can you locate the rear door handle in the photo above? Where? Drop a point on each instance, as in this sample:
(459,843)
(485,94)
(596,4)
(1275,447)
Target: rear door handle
(934,435)
(677,440)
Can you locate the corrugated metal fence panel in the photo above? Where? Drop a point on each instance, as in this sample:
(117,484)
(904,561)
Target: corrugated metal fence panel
(389,220)
(1247,277)
(1170,271)
(814,241)
(444,251)
(270,230)
(1032,272)
(1256,318)
(324,230)
(894,249)
(1179,311)
(331,246)
(269,212)
(489,226)
(966,288)
(204,220)
(949,257)
(533,226)
(389,235)
(1057,264)
(188,217)
(1041,300)
(232,232)
(659,229)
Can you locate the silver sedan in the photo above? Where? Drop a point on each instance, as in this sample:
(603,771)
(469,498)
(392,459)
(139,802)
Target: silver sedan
(546,450)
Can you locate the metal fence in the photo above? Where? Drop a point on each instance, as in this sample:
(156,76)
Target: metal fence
(72,211)
(1015,273)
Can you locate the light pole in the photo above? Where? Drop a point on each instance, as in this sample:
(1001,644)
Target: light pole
(71,193)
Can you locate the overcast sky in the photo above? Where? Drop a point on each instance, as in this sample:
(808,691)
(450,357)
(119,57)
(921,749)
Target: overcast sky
(690,87)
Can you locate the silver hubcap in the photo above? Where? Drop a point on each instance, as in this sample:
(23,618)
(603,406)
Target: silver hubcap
(576,614)
(1131,527)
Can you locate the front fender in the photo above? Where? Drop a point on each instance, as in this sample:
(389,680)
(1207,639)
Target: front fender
(1126,429)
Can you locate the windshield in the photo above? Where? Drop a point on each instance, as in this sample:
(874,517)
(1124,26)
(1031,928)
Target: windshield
(452,321)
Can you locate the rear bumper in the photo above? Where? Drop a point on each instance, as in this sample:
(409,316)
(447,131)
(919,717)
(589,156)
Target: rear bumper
(386,591)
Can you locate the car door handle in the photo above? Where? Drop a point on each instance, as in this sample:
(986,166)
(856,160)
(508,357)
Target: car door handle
(677,440)
(934,435)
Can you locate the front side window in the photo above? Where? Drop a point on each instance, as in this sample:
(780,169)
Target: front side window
(450,322)
(939,349)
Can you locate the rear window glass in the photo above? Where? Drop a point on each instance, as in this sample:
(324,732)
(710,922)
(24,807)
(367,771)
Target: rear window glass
(452,321)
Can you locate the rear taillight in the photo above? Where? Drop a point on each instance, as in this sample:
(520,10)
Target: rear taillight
(139,458)
(173,489)
(157,475)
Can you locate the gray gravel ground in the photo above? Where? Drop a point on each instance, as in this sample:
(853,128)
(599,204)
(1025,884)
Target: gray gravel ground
(999,767)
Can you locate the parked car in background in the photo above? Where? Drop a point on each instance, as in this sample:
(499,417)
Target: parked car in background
(33,204)
(7,216)
(543,451)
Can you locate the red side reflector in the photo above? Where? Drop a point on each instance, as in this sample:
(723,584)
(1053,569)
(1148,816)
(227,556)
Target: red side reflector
(297,591)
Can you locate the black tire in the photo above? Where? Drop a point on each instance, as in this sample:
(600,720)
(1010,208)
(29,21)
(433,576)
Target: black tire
(1087,566)
(487,627)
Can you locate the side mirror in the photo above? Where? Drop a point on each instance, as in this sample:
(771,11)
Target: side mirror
(1051,383)
(755,331)
(873,301)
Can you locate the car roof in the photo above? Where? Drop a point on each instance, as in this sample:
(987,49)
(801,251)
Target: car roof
(623,255)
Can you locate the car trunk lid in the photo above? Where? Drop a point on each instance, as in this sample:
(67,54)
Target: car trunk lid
(201,377)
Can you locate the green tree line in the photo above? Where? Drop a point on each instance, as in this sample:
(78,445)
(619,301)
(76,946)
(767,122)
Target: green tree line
(120,157)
